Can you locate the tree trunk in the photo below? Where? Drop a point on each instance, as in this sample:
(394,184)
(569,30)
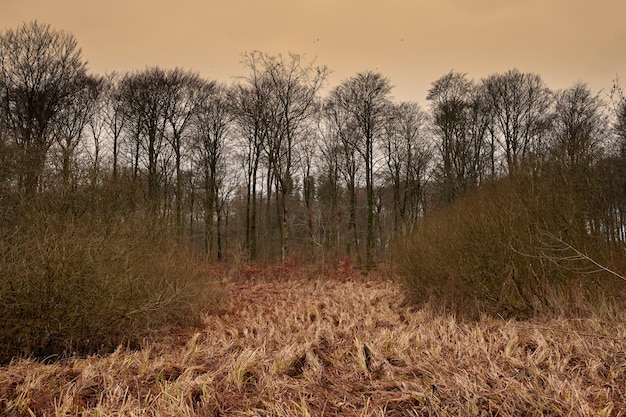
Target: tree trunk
(218,232)
(369,257)
(208,214)
(179,194)
(352,223)
(253,216)
(283,226)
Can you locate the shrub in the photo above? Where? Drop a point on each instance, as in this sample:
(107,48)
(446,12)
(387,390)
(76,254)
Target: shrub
(518,247)
(82,282)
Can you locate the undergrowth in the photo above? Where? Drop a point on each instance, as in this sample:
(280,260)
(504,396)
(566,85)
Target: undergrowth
(73,280)
(519,247)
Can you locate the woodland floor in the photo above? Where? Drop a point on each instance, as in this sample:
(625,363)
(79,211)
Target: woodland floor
(336,347)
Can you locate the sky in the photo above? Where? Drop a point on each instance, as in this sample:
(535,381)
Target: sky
(412,42)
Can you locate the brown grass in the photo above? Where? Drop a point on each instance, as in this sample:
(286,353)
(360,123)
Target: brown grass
(337,347)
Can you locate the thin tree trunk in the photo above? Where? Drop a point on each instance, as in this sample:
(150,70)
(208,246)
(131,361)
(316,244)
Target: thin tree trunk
(369,257)
(284,227)
(218,231)
(179,194)
(208,213)
(253,215)
(352,224)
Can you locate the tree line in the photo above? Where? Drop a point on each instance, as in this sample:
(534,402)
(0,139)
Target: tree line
(278,164)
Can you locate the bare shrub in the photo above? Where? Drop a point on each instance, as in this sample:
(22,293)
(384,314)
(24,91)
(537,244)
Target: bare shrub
(510,249)
(73,280)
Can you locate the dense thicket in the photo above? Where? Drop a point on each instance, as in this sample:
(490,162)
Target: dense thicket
(81,273)
(107,172)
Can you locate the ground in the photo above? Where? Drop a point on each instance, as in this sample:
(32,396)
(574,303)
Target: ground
(336,347)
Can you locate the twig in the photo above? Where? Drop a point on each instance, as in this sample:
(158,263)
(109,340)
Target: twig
(583,256)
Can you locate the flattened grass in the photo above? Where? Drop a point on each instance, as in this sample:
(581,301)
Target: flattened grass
(324,347)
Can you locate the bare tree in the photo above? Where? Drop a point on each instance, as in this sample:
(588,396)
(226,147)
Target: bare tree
(293,85)
(579,126)
(113,117)
(73,120)
(39,69)
(579,133)
(365,98)
(306,158)
(521,108)
(342,156)
(97,127)
(146,101)
(249,111)
(406,156)
(212,123)
(330,190)
(185,92)
(460,126)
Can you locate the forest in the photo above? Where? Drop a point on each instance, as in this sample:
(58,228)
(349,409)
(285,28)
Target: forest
(117,190)
(173,245)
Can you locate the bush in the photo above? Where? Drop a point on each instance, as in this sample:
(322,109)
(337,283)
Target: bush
(80,281)
(518,247)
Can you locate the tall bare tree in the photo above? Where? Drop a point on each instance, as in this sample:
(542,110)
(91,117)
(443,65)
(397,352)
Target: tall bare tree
(330,189)
(73,120)
(185,91)
(579,126)
(249,111)
(212,123)
(146,100)
(39,72)
(460,122)
(293,86)
(365,98)
(113,117)
(579,133)
(521,105)
(342,157)
(406,156)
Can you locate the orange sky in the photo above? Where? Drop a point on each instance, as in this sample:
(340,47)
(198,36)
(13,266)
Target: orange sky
(413,42)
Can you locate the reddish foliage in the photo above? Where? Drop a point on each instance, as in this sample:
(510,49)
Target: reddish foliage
(218,269)
(292,268)
(285,270)
(343,270)
(346,270)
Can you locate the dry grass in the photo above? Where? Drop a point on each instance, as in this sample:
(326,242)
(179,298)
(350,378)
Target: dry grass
(337,347)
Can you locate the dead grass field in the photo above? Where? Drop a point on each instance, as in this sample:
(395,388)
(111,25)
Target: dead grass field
(336,348)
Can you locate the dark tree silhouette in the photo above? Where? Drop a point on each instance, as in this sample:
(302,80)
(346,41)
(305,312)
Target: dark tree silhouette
(41,73)
(365,98)
(212,123)
(289,108)
(460,125)
(579,126)
(407,156)
(521,105)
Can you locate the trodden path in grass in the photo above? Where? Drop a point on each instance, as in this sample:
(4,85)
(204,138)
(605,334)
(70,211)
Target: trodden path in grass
(337,347)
